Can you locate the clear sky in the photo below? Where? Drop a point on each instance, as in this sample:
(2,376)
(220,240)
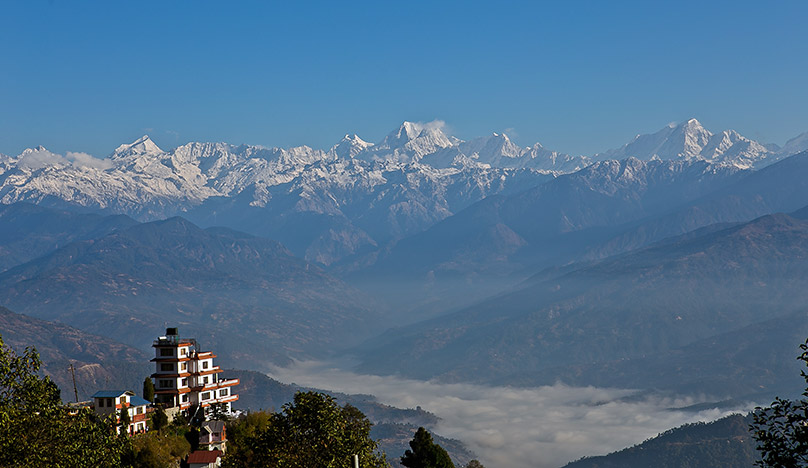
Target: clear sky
(577,76)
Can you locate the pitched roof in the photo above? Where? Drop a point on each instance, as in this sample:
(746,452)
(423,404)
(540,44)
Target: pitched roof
(204,456)
(213,426)
(137,401)
(111,393)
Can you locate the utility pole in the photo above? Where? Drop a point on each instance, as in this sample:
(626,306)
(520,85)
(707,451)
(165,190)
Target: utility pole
(75,390)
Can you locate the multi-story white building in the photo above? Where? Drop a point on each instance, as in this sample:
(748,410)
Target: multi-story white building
(186,376)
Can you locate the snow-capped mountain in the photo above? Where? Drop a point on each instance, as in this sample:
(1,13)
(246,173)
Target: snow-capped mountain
(329,204)
(691,141)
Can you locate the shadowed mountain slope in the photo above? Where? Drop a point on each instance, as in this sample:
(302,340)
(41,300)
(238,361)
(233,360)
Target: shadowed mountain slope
(726,443)
(29,231)
(98,362)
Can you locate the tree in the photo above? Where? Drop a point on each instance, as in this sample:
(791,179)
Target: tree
(474,464)
(781,430)
(125,419)
(159,419)
(312,431)
(36,430)
(425,453)
(217,412)
(148,389)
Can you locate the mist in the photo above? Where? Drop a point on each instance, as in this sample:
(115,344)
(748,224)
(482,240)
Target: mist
(544,427)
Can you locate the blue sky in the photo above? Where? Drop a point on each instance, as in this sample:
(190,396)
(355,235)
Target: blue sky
(577,76)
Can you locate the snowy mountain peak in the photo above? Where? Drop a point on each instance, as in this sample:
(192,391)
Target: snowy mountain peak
(349,146)
(143,145)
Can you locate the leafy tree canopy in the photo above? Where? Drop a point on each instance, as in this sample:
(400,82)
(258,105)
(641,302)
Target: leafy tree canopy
(312,431)
(781,430)
(36,430)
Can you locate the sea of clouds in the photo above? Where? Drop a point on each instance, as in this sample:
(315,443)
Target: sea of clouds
(543,427)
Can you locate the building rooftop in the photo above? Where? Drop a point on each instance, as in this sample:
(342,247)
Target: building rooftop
(112,393)
(204,456)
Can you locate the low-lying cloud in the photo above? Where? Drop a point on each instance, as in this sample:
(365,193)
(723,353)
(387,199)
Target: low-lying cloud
(518,427)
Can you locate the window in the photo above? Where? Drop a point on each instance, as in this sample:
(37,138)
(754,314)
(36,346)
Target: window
(205,364)
(166,367)
(206,396)
(100,402)
(205,380)
(224,392)
(185,382)
(166,352)
(139,410)
(110,402)
(183,366)
(185,398)
(166,383)
(183,351)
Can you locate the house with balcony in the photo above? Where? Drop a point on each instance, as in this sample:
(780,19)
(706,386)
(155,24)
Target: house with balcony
(213,436)
(185,376)
(109,403)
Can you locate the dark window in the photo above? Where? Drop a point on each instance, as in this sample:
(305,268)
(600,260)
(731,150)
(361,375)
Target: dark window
(166,367)
(205,364)
(166,352)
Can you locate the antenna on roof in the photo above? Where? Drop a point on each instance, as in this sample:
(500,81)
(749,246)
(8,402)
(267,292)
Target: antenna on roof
(75,390)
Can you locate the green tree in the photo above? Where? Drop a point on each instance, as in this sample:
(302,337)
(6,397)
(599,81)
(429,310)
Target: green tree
(781,429)
(124,418)
(218,412)
(36,430)
(313,431)
(156,450)
(474,464)
(148,389)
(159,419)
(425,453)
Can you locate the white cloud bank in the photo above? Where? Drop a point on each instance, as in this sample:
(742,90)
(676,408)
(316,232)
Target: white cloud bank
(38,158)
(543,427)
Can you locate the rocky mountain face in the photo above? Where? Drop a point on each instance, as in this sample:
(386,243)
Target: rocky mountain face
(348,200)
(247,297)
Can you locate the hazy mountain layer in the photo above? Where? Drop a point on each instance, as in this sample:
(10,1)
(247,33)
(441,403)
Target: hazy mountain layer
(29,231)
(245,296)
(648,302)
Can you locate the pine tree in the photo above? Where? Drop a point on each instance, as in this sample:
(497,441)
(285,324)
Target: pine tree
(425,453)
(148,390)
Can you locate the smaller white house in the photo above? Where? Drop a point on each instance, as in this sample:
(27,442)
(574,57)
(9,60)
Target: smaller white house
(212,436)
(107,403)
